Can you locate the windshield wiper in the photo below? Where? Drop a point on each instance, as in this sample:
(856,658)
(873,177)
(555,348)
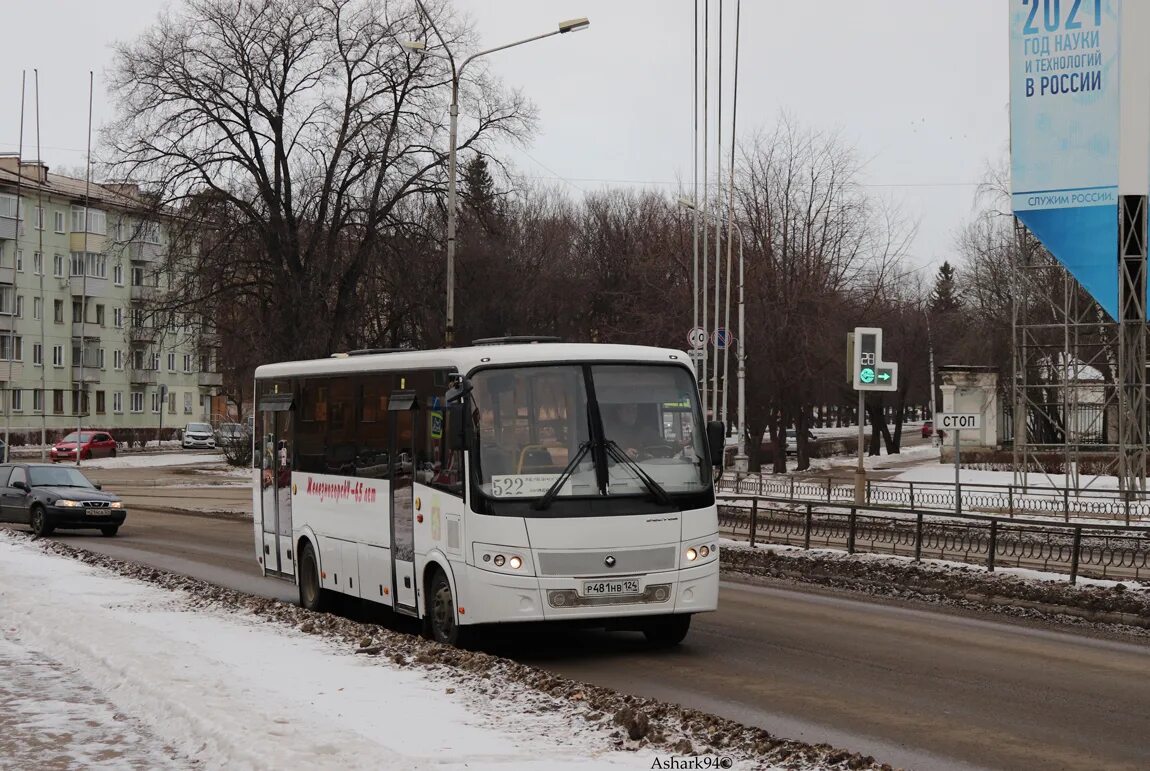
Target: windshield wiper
(654,487)
(545,500)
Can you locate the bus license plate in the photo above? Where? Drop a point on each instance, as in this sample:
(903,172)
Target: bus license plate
(610,588)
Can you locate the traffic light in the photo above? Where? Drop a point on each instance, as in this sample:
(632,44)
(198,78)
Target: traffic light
(871,373)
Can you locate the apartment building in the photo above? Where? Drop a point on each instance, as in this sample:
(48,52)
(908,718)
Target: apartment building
(79,339)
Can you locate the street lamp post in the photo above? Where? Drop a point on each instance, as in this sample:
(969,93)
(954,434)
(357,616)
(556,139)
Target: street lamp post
(741,461)
(572,25)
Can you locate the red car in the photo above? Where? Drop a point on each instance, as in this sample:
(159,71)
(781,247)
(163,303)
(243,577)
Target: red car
(93,444)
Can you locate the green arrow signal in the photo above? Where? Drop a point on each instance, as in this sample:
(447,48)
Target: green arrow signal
(884,376)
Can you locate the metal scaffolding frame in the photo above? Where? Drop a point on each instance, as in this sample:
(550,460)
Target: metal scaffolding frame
(1132,451)
(1079,380)
(1065,371)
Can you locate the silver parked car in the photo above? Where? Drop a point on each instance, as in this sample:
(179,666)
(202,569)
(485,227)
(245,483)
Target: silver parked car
(198,436)
(232,433)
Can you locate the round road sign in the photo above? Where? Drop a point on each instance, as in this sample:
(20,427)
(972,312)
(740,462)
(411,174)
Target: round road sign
(697,337)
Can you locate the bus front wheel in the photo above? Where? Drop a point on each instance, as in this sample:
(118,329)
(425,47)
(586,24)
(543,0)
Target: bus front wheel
(312,596)
(442,622)
(667,631)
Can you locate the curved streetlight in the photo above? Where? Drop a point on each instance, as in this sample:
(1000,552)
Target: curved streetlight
(741,460)
(420,46)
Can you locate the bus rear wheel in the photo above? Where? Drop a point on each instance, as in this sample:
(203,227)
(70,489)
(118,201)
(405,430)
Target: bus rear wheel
(312,596)
(442,623)
(667,631)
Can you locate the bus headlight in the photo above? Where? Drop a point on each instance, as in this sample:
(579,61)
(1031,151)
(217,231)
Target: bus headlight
(499,560)
(692,555)
(704,551)
(515,562)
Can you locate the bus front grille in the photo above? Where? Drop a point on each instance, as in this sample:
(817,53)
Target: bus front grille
(606,562)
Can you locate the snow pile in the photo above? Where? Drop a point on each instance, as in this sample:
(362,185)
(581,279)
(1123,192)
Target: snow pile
(231,680)
(151,461)
(1115,605)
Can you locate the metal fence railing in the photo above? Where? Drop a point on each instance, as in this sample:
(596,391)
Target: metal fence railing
(1011,500)
(1105,551)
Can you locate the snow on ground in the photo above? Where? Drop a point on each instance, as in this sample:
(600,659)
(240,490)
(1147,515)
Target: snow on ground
(158,459)
(944,473)
(919,453)
(966,568)
(114,671)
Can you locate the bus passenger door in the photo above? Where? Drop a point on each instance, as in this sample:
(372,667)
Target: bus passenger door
(402,407)
(274,447)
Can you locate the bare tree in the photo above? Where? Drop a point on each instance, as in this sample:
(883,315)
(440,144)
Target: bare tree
(293,139)
(819,248)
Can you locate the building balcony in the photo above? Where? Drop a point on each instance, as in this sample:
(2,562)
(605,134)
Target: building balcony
(94,243)
(144,293)
(142,376)
(8,227)
(17,371)
(139,251)
(7,275)
(90,287)
(210,379)
(90,375)
(7,322)
(89,331)
(142,334)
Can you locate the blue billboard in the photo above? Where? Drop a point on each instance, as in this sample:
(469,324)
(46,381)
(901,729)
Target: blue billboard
(1064,134)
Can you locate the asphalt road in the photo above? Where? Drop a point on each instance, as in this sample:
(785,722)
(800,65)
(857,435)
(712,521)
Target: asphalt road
(913,687)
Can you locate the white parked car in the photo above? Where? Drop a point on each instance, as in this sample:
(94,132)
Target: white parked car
(199,436)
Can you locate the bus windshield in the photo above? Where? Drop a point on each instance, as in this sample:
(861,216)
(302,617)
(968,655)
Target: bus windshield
(533,422)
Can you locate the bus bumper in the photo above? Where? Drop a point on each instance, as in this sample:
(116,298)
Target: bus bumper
(501,598)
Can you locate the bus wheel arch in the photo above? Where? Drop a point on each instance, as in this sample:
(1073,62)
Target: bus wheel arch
(312,595)
(441,606)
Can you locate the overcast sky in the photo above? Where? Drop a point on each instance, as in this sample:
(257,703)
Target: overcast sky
(918,88)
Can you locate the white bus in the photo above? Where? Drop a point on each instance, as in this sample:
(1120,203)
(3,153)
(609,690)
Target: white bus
(492,484)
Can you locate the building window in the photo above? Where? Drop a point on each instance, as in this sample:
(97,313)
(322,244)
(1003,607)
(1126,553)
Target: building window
(118,359)
(8,205)
(38,217)
(7,301)
(117,402)
(17,400)
(76,265)
(118,274)
(37,401)
(38,354)
(58,401)
(38,263)
(11,348)
(171,362)
(37,307)
(137,401)
(154,363)
(155,401)
(205,362)
(171,402)
(77,407)
(58,311)
(58,266)
(77,311)
(138,358)
(60,222)
(100,358)
(137,275)
(187,362)
(57,356)
(100,404)
(187,402)
(96,264)
(20,260)
(97,221)
(118,318)
(100,315)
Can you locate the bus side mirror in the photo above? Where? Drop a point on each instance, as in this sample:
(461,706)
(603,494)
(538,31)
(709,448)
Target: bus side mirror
(457,424)
(716,442)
